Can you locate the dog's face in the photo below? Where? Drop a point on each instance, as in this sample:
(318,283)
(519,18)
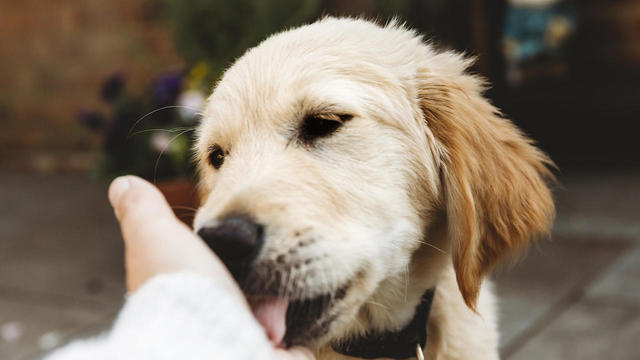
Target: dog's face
(317,153)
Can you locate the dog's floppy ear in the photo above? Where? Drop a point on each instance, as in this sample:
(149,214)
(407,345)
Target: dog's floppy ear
(493,178)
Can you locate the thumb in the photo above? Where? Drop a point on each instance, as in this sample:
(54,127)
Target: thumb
(135,200)
(155,240)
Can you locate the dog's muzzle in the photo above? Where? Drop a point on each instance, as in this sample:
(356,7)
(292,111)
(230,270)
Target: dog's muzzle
(288,320)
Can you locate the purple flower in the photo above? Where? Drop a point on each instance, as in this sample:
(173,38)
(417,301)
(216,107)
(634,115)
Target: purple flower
(112,87)
(166,88)
(91,119)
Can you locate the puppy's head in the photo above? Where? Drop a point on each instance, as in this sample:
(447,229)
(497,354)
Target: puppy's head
(327,155)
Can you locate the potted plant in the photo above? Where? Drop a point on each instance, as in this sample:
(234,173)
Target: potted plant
(151,136)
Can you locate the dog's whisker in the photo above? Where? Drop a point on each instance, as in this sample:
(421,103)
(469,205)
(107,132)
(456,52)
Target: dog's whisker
(359,323)
(293,289)
(288,281)
(157,110)
(172,130)
(155,168)
(277,277)
(371,302)
(432,246)
(284,281)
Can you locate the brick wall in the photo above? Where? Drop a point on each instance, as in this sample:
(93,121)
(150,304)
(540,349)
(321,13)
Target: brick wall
(53,57)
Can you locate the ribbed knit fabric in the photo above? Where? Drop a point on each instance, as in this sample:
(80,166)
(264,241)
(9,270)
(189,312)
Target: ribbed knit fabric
(177,316)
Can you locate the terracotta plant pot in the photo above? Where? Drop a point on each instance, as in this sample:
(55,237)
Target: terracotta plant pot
(182,196)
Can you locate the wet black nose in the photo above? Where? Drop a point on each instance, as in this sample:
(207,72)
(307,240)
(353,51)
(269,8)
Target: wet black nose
(236,239)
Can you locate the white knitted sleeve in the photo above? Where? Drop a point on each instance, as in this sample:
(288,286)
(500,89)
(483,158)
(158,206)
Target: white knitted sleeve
(177,316)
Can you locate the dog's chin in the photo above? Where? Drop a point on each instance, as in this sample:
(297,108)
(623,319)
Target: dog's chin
(290,323)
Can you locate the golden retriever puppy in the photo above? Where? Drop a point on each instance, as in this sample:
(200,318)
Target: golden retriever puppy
(359,188)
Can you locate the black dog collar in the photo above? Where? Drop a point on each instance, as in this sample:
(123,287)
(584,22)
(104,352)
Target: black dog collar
(400,344)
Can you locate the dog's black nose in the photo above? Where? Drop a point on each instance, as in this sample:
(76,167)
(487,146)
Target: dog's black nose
(236,239)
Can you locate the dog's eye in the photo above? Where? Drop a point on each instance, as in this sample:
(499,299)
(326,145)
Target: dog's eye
(216,156)
(321,125)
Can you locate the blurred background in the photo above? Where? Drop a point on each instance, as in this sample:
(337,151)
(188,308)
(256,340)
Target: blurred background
(91,89)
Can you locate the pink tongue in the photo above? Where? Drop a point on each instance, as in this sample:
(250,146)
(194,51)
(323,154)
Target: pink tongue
(271,314)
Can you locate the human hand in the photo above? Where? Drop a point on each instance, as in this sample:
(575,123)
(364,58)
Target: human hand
(157,242)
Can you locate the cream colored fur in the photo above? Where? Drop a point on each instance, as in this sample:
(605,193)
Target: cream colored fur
(426,185)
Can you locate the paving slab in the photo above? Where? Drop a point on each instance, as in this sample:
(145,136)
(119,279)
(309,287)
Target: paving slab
(61,263)
(546,282)
(587,331)
(58,236)
(27,330)
(599,203)
(621,281)
(612,195)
